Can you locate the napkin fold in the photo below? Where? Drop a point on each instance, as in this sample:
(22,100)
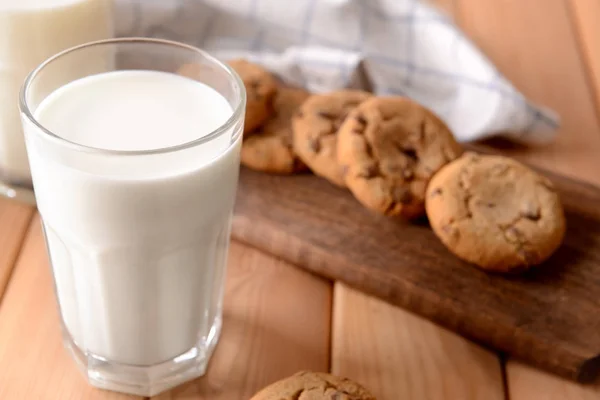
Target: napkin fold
(391,47)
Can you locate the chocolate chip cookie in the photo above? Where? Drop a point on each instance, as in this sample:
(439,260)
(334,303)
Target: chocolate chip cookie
(316,126)
(314,386)
(269,149)
(496,213)
(389,148)
(261,87)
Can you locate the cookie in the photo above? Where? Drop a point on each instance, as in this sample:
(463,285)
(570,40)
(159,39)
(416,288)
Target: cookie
(496,213)
(261,87)
(269,149)
(314,386)
(316,127)
(389,148)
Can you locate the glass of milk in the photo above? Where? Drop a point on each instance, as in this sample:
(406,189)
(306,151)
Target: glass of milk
(135,170)
(30,32)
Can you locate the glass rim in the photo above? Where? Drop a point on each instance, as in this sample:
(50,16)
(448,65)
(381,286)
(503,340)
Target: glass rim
(238,112)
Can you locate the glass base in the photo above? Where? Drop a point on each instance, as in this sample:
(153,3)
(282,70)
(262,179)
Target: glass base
(145,380)
(21,193)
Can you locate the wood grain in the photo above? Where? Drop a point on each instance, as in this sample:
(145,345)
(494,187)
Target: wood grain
(526,383)
(398,355)
(277,321)
(548,317)
(14,221)
(34,363)
(585,15)
(533,44)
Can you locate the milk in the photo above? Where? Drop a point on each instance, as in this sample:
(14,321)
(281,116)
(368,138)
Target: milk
(31,31)
(137,243)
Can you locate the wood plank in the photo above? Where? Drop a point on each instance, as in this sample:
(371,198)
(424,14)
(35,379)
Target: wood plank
(526,383)
(14,221)
(538,51)
(277,321)
(585,15)
(533,44)
(398,355)
(33,363)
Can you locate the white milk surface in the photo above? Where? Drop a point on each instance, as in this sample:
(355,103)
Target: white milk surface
(138,244)
(30,32)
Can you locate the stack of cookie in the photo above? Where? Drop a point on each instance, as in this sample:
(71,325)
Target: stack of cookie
(400,159)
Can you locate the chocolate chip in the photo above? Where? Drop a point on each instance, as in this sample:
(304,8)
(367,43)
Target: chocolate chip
(370,171)
(410,153)
(402,195)
(298,165)
(464,179)
(327,115)
(450,230)
(435,192)
(314,145)
(368,149)
(361,120)
(421,134)
(254,85)
(490,205)
(530,211)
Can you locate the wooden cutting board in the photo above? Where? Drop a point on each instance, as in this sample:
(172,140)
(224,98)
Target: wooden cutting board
(548,317)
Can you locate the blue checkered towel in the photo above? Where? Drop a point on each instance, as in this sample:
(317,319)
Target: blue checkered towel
(392,47)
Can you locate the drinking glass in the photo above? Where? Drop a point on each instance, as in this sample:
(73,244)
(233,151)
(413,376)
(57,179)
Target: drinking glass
(30,32)
(137,239)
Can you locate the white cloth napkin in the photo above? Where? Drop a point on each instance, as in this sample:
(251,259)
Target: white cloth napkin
(392,47)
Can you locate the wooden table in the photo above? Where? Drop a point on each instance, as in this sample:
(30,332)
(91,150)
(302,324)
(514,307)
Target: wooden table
(279,319)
